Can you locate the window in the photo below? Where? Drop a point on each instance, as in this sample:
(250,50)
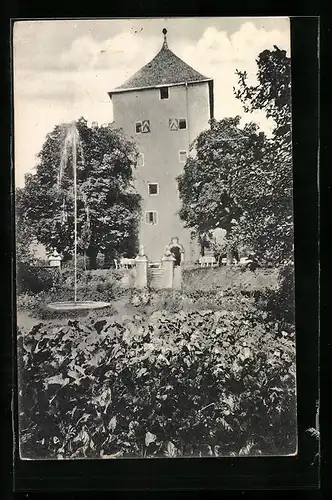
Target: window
(140,160)
(142,127)
(173,124)
(182,123)
(177,123)
(151,218)
(164,93)
(153,188)
(183,156)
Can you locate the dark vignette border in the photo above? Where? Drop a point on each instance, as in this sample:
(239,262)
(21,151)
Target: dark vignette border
(205,474)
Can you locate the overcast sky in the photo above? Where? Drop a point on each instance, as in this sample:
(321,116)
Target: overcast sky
(64,69)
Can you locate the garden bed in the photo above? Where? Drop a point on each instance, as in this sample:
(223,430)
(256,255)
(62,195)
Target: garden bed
(165,385)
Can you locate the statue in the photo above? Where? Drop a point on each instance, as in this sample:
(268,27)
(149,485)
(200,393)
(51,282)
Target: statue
(141,251)
(176,250)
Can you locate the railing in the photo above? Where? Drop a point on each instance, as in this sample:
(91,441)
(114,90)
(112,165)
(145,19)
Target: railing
(207,261)
(124,263)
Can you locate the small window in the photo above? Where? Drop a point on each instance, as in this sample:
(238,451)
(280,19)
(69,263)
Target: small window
(182,123)
(142,127)
(153,188)
(173,124)
(164,93)
(183,156)
(151,218)
(140,160)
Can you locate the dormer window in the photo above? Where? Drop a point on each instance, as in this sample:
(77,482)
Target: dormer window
(164,93)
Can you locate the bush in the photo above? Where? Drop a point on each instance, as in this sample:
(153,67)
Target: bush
(280,302)
(35,279)
(91,285)
(172,384)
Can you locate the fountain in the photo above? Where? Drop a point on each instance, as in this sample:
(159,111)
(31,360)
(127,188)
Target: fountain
(72,140)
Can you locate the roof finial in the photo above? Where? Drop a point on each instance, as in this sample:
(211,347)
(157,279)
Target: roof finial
(165,46)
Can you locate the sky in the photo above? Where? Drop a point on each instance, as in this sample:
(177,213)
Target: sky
(64,69)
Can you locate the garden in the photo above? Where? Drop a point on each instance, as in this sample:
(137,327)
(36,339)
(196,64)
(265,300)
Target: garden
(205,371)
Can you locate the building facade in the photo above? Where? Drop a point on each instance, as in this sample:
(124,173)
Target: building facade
(164,107)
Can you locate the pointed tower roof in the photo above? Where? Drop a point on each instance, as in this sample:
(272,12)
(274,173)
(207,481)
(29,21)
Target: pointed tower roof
(164,69)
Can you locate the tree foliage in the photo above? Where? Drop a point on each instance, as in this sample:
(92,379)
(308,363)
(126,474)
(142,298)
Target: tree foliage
(272,235)
(240,180)
(107,204)
(211,187)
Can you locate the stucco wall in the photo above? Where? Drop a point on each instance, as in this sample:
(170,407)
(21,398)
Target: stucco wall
(161,148)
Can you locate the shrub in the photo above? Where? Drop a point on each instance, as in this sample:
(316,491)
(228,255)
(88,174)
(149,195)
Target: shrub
(189,384)
(35,279)
(280,302)
(91,285)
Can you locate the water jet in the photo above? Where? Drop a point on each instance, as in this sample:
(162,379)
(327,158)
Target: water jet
(72,140)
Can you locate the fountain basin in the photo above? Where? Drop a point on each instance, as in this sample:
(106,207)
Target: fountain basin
(77,306)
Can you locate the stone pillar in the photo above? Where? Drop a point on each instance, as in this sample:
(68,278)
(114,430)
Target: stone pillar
(54,260)
(177,281)
(141,278)
(168,266)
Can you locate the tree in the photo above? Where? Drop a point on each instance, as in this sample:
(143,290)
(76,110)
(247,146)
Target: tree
(240,180)
(107,204)
(211,186)
(24,237)
(271,232)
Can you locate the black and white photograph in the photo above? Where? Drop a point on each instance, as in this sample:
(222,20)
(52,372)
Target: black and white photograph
(154,238)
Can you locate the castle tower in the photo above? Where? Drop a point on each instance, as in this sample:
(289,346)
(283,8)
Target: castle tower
(164,106)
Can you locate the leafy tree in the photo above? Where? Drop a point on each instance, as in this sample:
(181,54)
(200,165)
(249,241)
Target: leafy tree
(211,186)
(24,237)
(270,231)
(107,204)
(240,180)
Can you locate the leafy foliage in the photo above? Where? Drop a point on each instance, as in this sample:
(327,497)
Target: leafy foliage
(239,180)
(207,186)
(107,203)
(36,279)
(271,230)
(91,285)
(191,384)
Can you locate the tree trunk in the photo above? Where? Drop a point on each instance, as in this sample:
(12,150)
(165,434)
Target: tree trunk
(229,256)
(108,258)
(92,253)
(229,253)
